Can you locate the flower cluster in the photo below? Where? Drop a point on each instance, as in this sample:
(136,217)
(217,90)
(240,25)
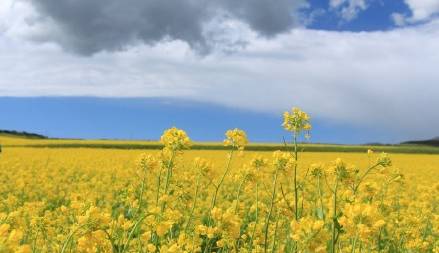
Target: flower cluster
(310,234)
(297,121)
(362,221)
(283,160)
(236,138)
(175,139)
(146,162)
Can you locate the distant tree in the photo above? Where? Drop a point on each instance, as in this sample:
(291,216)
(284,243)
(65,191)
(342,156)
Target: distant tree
(23,134)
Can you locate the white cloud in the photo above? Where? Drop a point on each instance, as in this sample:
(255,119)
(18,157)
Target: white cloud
(378,79)
(422,11)
(399,19)
(348,9)
(15,17)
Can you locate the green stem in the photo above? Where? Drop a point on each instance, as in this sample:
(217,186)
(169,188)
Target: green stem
(142,189)
(239,193)
(364,175)
(222,180)
(256,218)
(296,197)
(354,244)
(197,188)
(275,234)
(169,171)
(168,177)
(334,218)
(267,222)
(130,235)
(159,179)
(320,197)
(295,147)
(69,238)
(296,193)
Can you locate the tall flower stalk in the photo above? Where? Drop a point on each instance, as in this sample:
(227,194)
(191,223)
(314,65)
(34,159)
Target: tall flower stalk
(256,167)
(270,210)
(197,189)
(281,161)
(174,141)
(237,139)
(146,163)
(297,122)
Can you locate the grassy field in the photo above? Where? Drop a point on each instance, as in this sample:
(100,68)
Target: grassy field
(14,141)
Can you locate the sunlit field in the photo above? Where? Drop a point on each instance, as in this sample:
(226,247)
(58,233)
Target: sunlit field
(182,200)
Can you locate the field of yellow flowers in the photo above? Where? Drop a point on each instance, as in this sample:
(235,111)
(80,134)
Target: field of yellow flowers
(178,200)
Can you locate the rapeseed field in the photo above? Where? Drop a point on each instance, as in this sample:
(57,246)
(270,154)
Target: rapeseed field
(178,200)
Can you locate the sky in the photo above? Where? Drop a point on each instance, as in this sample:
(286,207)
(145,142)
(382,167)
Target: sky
(365,70)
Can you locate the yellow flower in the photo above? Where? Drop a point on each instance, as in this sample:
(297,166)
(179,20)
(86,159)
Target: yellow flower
(15,236)
(283,160)
(384,160)
(221,243)
(4,229)
(297,121)
(363,220)
(236,138)
(201,229)
(203,166)
(151,247)
(24,249)
(85,243)
(309,233)
(161,229)
(379,224)
(258,162)
(146,162)
(216,213)
(175,139)
(211,231)
(173,248)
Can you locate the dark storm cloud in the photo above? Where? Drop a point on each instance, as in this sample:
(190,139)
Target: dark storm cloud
(90,26)
(267,17)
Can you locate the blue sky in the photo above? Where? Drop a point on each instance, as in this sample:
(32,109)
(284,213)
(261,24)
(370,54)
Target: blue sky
(140,118)
(377,16)
(366,70)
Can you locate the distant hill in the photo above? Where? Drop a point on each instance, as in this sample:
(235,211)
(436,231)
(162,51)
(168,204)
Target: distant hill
(431,142)
(23,134)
